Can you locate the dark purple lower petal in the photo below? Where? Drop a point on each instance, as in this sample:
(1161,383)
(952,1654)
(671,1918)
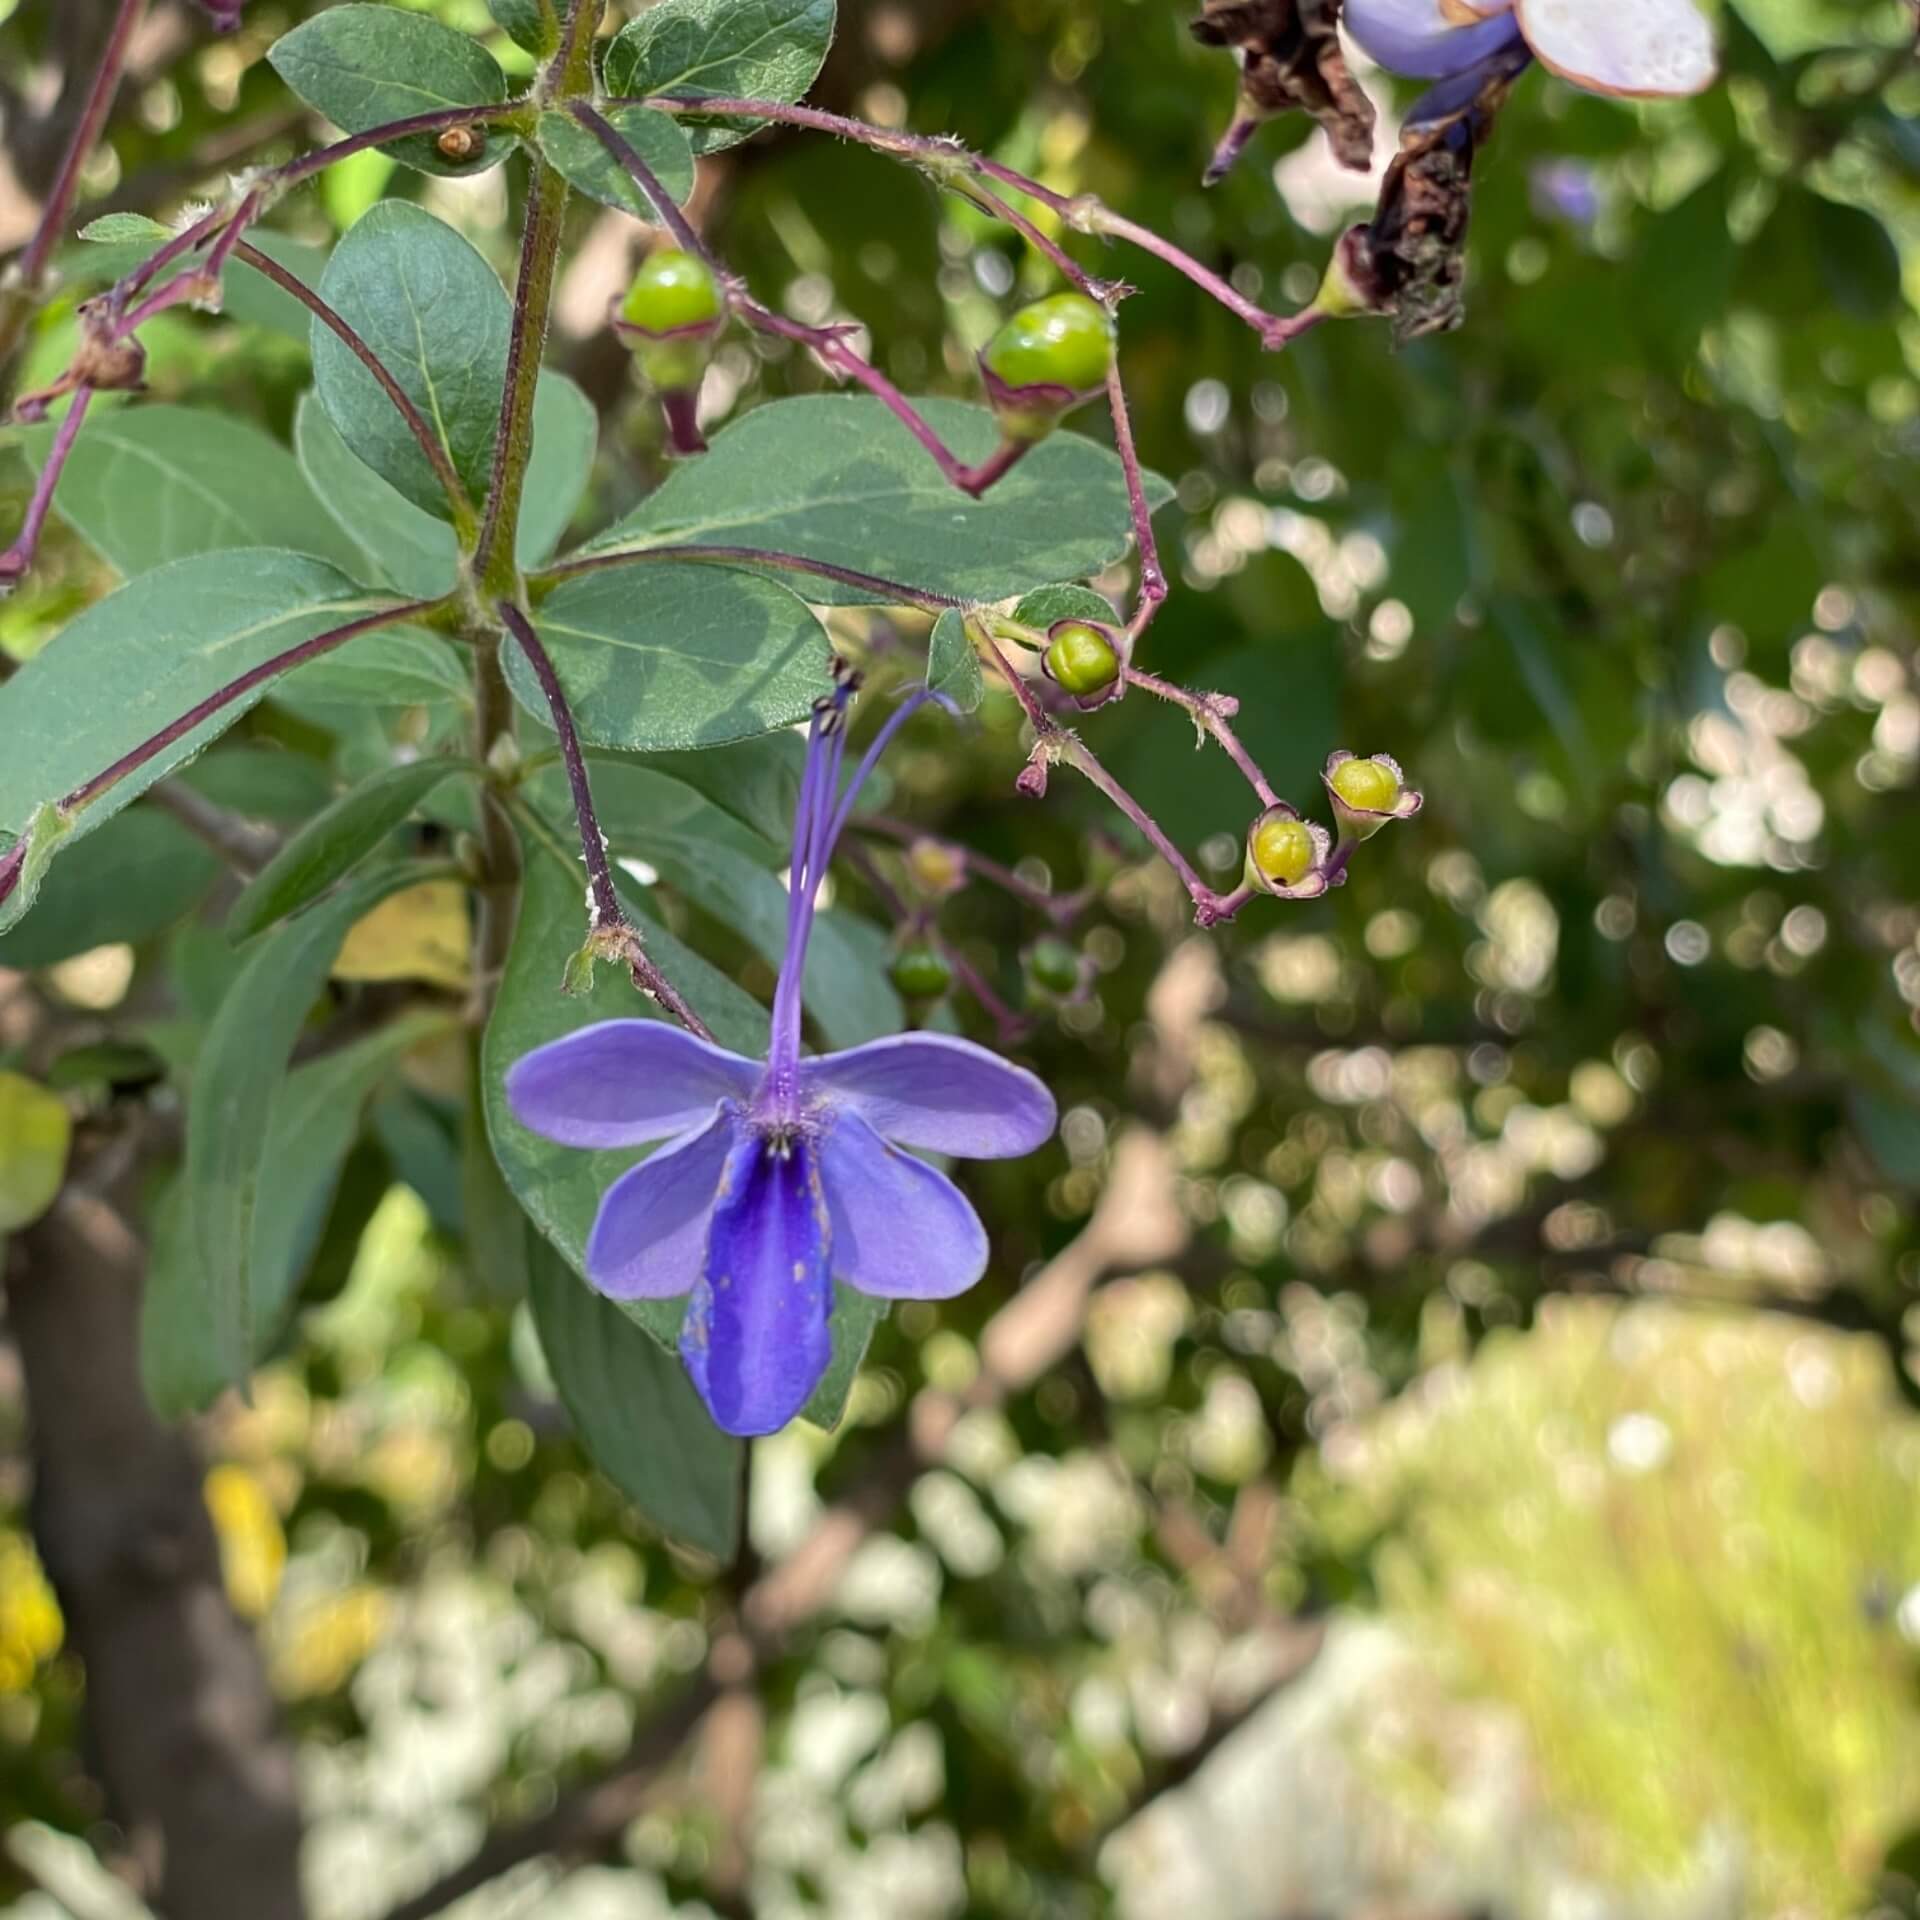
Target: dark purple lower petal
(649,1239)
(625,1083)
(901,1230)
(755,1338)
(930,1090)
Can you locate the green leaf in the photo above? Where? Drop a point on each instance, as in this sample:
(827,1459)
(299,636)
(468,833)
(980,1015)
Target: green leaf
(390,667)
(239,1075)
(1040,610)
(398,545)
(656,138)
(365,65)
(560,1187)
(566,430)
(161,643)
(757,781)
(432,310)
(261,782)
(529,24)
(953,667)
(111,228)
(35,1133)
(676,656)
(149,484)
(750,49)
(315,1116)
(131,880)
(636,802)
(636,1412)
(332,844)
(836,477)
(851,1000)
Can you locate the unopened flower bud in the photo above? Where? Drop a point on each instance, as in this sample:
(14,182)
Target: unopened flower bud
(1286,855)
(1367,793)
(461,144)
(921,972)
(1084,661)
(1044,361)
(937,867)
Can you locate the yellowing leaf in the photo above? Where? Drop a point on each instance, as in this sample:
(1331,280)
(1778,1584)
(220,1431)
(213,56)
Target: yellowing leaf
(34,1136)
(420,933)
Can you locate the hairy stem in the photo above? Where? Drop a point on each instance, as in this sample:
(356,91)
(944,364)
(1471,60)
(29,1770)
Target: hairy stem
(18,558)
(610,929)
(429,442)
(1212,713)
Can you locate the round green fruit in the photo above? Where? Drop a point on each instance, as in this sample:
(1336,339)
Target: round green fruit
(921,972)
(1081,659)
(672,290)
(1063,341)
(1054,966)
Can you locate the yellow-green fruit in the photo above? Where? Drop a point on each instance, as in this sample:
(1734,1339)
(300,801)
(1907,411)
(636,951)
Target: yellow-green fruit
(673,289)
(1371,785)
(1282,850)
(1063,341)
(1081,659)
(921,972)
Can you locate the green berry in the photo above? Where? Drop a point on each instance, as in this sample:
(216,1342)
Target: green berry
(921,972)
(1282,850)
(1370,785)
(1064,341)
(1081,659)
(672,290)
(1054,965)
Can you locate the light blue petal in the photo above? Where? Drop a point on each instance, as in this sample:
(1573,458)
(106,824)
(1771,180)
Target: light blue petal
(625,1083)
(649,1238)
(901,1230)
(932,1091)
(1414,37)
(755,1338)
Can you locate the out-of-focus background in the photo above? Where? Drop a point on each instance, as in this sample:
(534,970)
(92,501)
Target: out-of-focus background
(1489,1480)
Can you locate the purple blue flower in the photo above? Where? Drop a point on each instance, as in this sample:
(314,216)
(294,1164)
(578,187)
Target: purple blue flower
(779,1176)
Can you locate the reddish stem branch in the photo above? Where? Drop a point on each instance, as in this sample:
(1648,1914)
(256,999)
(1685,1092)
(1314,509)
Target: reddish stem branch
(609,929)
(86,132)
(826,343)
(19,557)
(236,689)
(1212,713)
(1061,909)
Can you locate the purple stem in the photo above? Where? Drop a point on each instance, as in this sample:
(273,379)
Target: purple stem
(608,919)
(1153,581)
(1010,1027)
(438,121)
(1082,211)
(87,130)
(13,863)
(234,689)
(1211,714)
(897,591)
(15,562)
(825,342)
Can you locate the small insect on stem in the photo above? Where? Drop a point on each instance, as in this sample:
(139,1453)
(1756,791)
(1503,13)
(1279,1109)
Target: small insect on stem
(461,143)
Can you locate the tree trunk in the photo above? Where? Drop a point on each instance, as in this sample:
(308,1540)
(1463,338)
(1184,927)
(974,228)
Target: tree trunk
(182,1728)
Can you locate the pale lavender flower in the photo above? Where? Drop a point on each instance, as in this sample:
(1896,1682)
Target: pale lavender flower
(778,1176)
